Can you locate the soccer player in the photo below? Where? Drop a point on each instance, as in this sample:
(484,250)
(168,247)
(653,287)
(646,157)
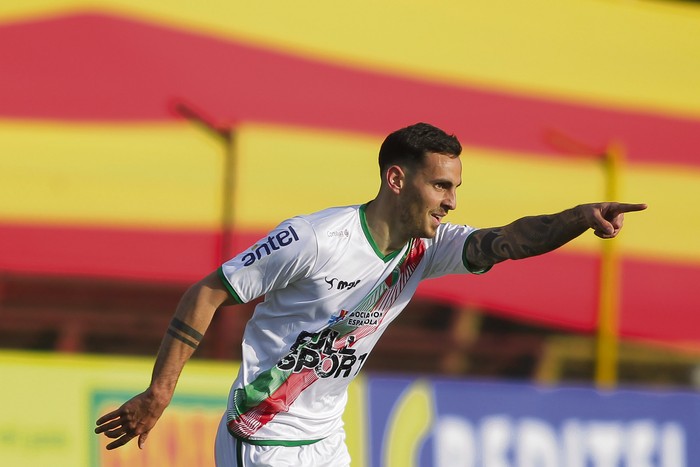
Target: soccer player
(333,281)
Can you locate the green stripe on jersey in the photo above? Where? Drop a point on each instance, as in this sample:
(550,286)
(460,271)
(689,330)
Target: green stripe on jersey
(264,385)
(466,262)
(228,286)
(368,235)
(275,442)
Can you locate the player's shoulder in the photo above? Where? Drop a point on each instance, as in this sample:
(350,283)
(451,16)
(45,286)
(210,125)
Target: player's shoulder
(448,232)
(330,217)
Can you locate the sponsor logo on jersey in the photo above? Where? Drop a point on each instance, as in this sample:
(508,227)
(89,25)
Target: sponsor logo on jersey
(272,243)
(365,318)
(318,352)
(335,283)
(345,233)
(339,317)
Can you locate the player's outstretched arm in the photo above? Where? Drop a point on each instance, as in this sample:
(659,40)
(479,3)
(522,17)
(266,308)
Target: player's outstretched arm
(535,235)
(137,416)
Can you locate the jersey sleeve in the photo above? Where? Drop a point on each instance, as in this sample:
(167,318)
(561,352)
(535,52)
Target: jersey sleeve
(447,251)
(287,254)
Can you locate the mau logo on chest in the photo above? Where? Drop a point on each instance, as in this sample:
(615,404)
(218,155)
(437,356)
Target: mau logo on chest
(335,283)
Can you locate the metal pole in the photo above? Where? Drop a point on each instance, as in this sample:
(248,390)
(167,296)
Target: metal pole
(609,283)
(227,137)
(609,300)
(221,322)
(227,197)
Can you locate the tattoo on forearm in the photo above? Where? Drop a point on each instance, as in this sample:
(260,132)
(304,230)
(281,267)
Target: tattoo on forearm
(523,238)
(184,327)
(183,332)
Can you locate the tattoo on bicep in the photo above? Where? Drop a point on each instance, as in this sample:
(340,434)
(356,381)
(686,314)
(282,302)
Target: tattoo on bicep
(184,333)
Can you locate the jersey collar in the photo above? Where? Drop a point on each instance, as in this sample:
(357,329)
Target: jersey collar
(368,236)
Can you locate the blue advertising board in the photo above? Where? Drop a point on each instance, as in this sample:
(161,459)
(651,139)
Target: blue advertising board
(450,423)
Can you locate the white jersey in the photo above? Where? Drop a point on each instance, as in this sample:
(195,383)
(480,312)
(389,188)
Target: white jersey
(329,295)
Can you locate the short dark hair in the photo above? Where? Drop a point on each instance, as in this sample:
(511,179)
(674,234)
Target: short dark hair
(408,146)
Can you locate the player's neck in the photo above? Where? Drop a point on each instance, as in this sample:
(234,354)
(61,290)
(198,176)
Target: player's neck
(380,222)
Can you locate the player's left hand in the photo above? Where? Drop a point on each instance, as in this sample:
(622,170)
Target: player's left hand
(606,218)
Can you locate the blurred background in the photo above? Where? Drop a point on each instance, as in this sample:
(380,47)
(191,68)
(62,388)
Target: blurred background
(141,145)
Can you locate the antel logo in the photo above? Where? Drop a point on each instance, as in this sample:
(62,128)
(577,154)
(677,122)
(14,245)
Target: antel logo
(259,250)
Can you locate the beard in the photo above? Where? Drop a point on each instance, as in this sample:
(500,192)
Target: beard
(414,217)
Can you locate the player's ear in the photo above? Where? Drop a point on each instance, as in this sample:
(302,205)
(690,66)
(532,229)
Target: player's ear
(395,178)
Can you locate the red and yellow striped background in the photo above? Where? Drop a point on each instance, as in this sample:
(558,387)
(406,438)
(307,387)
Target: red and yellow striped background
(102,176)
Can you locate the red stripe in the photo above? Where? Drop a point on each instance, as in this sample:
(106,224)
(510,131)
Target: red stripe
(169,256)
(102,68)
(278,402)
(557,289)
(659,300)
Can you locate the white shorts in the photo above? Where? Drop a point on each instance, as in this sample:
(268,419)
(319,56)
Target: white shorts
(230,452)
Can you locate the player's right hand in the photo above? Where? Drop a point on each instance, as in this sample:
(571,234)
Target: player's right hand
(135,418)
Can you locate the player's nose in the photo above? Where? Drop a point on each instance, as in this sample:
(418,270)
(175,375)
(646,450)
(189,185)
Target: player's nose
(449,203)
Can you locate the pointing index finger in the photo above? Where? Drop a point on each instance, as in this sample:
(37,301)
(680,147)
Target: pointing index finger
(629,207)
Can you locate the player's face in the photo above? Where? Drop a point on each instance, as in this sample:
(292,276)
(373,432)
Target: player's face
(429,194)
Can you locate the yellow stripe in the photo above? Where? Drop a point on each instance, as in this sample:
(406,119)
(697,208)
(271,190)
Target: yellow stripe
(288,171)
(14,11)
(636,54)
(170,176)
(140,175)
